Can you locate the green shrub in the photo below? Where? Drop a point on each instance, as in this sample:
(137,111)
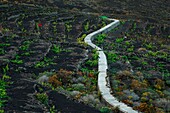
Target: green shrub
(100,38)
(105,110)
(2,111)
(56,49)
(119,40)
(112,57)
(42,97)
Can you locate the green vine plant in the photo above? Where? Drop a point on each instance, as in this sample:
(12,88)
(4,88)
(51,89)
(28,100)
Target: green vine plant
(56,49)
(4,82)
(45,62)
(68,27)
(80,40)
(86,26)
(94,61)
(17,60)
(100,38)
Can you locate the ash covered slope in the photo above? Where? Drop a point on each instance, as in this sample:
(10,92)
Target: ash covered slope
(18,22)
(155,11)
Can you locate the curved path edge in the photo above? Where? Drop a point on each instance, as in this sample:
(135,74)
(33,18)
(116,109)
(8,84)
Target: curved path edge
(103,79)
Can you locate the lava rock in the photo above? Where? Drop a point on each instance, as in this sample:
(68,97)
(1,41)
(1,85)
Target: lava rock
(42,79)
(74,93)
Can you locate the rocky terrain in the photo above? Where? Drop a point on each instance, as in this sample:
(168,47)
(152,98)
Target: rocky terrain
(47,67)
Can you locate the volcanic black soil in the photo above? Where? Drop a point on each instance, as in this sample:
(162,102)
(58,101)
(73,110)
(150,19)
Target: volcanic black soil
(46,36)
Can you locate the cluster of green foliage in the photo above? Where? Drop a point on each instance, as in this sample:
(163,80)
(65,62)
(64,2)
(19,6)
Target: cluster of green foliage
(56,49)
(119,40)
(25,46)
(54,27)
(4,44)
(80,40)
(86,26)
(17,60)
(2,51)
(113,57)
(43,98)
(45,62)
(68,27)
(3,85)
(94,60)
(105,110)
(100,38)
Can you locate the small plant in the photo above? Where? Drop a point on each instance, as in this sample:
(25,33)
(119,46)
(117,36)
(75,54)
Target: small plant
(20,23)
(122,22)
(42,97)
(25,46)
(54,27)
(138,85)
(103,23)
(127,43)
(56,49)
(84,70)
(45,62)
(149,46)
(162,55)
(38,26)
(159,84)
(3,85)
(128,102)
(86,26)
(4,30)
(3,93)
(26,54)
(80,40)
(95,56)
(17,60)
(92,63)
(23,30)
(151,53)
(131,49)
(2,111)
(144,107)
(52,109)
(125,58)
(2,51)
(54,81)
(144,63)
(119,40)
(133,27)
(68,27)
(112,57)
(4,45)
(64,76)
(105,110)
(100,38)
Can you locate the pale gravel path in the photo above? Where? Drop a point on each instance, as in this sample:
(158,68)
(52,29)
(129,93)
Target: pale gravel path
(103,79)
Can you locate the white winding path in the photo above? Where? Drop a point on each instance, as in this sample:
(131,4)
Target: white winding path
(103,79)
